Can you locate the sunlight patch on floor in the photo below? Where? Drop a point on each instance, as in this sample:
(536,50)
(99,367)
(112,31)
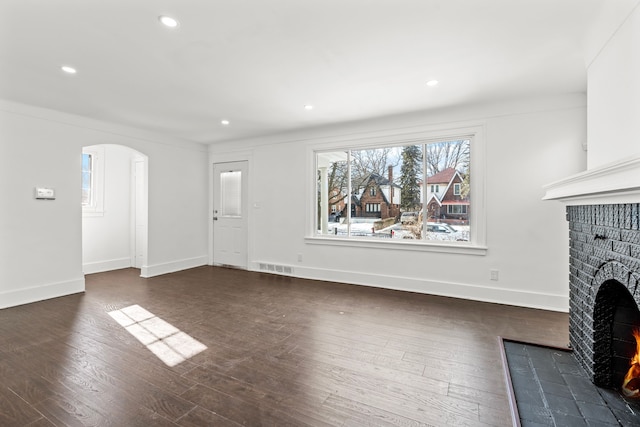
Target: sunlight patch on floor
(167,342)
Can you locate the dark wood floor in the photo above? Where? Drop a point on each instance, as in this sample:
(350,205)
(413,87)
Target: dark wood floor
(280,352)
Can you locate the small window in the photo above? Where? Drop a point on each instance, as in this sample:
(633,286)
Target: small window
(372,207)
(456,189)
(87,179)
(231,193)
(457,209)
(372,191)
(92,181)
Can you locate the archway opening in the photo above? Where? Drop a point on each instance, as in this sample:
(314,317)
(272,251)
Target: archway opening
(114,208)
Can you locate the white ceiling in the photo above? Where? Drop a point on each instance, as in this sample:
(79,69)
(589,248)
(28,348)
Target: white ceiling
(258,62)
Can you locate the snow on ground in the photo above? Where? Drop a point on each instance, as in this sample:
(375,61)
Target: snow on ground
(364,227)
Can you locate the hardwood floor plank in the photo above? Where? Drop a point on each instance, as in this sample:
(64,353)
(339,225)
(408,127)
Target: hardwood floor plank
(15,411)
(72,412)
(199,417)
(362,414)
(280,351)
(239,410)
(41,422)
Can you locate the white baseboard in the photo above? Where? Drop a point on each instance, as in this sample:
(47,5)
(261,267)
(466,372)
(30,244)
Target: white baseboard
(100,266)
(456,290)
(171,267)
(39,293)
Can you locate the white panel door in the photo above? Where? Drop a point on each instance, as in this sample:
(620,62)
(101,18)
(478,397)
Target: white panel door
(230,214)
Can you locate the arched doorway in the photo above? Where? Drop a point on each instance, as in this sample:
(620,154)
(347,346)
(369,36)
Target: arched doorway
(114,211)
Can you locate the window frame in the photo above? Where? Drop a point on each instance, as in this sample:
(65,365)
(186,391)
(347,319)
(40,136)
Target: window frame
(462,211)
(96,207)
(475,132)
(90,171)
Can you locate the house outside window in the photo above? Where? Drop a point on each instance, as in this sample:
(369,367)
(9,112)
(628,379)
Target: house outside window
(397,173)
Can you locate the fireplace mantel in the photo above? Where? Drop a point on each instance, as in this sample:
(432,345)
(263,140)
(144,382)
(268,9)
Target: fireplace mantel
(617,182)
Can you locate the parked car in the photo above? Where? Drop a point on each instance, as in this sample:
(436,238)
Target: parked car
(409,218)
(442,231)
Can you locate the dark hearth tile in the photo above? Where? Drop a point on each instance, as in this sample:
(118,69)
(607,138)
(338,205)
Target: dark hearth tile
(545,397)
(535,414)
(629,421)
(525,423)
(628,413)
(565,357)
(540,354)
(596,412)
(583,390)
(570,421)
(594,423)
(526,389)
(554,389)
(519,364)
(563,406)
(515,348)
(552,376)
(570,369)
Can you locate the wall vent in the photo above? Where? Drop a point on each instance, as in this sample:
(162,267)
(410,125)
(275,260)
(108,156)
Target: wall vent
(275,268)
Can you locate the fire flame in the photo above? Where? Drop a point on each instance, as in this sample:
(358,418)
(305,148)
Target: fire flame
(631,384)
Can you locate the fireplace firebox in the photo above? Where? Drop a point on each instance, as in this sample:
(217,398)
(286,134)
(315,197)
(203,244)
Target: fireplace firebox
(604,295)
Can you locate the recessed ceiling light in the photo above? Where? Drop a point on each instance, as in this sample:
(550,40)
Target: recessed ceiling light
(68,70)
(168,21)
(225,122)
(432,83)
(308,107)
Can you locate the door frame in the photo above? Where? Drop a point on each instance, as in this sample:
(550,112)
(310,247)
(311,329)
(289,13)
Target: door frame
(139,234)
(215,158)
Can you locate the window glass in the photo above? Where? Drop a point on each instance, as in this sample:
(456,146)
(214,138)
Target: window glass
(87,187)
(231,192)
(392,192)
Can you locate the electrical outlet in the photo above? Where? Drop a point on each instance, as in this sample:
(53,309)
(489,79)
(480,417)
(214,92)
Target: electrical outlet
(494,275)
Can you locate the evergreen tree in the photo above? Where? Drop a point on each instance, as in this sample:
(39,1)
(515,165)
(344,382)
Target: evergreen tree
(409,172)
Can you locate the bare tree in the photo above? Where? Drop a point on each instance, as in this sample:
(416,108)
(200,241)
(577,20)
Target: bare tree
(447,154)
(338,183)
(366,162)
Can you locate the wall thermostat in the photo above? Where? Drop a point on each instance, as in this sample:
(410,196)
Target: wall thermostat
(45,193)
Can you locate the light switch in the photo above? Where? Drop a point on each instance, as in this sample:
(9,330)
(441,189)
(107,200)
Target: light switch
(45,193)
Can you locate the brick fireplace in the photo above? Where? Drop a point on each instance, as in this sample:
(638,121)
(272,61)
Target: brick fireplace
(604,294)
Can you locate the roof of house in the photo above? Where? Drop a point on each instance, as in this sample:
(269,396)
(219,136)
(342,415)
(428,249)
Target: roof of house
(442,177)
(380,180)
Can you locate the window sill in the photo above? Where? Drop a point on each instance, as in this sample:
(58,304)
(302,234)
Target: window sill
(404,245)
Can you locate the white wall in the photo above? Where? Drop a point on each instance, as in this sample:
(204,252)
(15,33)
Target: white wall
(614,92)
(106,237)
(528,144)
(41,241)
